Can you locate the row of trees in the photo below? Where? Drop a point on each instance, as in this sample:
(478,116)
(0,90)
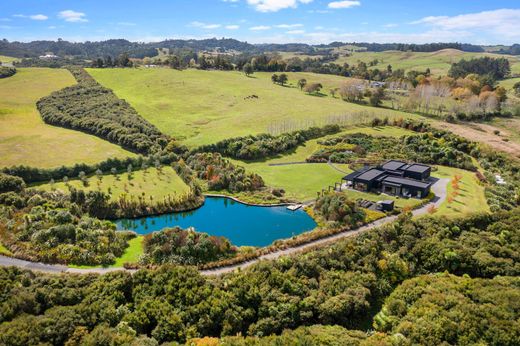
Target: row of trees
(342,284)
(92,108)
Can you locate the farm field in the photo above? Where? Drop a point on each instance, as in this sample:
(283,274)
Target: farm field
(7,59)
(438,62)
(470,198)
(26,140)
(149,182)
(202,107)
(302,181)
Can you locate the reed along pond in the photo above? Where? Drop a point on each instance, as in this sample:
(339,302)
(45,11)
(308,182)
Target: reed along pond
(242,224)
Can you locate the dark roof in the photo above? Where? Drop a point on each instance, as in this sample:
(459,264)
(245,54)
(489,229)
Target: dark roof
(407,182)
(393,165)
(352,175)
(370,174)
(388,202)
(418,168)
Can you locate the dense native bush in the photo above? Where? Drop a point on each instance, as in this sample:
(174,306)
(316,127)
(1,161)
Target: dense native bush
(341,284)
(49,228)
(175,245)
(413,311)
(265,145)
(490,68)
(337,208)
(94,109)
(10,183)
(221,174)
(7,71)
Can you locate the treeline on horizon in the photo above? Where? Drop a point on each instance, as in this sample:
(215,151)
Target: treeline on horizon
(115,47)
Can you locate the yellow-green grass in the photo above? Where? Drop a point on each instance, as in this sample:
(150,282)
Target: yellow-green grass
(439,62)
(201,107)
(26,140)
(131,255)
(149,182)
(4,250)
(470,198)
(303,181)
(8,59)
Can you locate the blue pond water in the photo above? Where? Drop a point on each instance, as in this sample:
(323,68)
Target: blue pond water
(240,223)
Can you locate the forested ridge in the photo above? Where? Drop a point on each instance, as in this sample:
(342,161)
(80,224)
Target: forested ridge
(344,284)
(92,108)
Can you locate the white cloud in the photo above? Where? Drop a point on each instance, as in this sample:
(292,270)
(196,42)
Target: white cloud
(72,16)
(288,26)
(344,4)
(32,16)
(232,27)
(260,28)
(501,22)
(275,5)
(205,25)
(295,32)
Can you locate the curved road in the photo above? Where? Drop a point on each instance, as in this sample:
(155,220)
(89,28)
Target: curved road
(439,189)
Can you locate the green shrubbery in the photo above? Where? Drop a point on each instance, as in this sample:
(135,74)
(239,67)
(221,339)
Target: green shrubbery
(7,71)
(341,284)
(176,245)
(337,208)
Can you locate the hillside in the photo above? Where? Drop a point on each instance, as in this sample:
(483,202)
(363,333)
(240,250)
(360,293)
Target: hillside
(438,62)
(201,107)
(26,140)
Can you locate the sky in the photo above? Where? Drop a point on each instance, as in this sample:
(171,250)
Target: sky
(264,21)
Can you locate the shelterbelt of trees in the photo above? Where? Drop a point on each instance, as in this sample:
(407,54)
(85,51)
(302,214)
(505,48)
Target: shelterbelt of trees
(343,284)
(7,71)
(91,108)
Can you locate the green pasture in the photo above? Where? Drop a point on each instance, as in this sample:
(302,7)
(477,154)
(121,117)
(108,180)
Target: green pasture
(439,62)
(26,140)
(8,59)
(470,198)
(202,107)
(148,183)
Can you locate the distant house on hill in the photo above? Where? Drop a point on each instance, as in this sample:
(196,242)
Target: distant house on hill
(49,56)
(394,178)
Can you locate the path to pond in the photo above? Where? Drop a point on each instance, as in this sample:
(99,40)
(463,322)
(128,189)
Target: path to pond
(439,189)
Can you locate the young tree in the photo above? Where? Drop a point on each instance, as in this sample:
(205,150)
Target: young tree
(274,78)
(313,88)
(376,97)
(282,79)
(248,69)
(301,83)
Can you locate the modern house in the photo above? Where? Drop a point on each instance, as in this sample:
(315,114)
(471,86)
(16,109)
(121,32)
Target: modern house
(393,178)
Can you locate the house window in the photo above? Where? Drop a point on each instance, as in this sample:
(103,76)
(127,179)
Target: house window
(360,186)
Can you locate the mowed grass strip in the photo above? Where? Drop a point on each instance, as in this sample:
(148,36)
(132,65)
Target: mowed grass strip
(26,140)
(202,107)
(470,198)
(150,182)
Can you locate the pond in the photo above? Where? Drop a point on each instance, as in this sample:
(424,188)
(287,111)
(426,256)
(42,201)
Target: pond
(243,225)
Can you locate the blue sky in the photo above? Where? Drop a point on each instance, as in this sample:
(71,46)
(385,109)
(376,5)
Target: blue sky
(265,21)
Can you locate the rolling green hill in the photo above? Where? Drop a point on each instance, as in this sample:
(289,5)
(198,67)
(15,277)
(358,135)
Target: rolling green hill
(26,140)
(201,107)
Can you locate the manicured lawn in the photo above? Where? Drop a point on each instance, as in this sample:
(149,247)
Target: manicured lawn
(439,62)
(201,107)
(26,140)
(146,183)
(132,252)
(471,198)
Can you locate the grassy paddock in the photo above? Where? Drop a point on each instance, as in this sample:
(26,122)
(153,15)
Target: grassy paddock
(202,107)
(439,62)
(146,183)
(471,198)
(26,140)
(8,59)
